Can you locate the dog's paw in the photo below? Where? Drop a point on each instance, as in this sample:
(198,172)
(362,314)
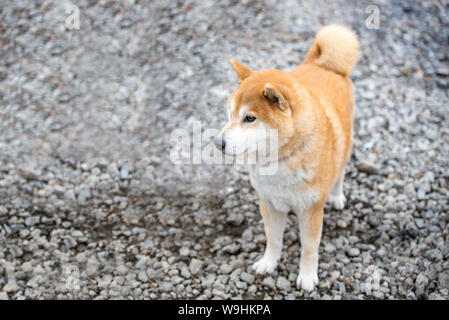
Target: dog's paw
(265,265)
(338,202)
(307,281)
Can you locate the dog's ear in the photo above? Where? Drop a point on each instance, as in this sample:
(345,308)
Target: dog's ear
(277,96)
(242,71)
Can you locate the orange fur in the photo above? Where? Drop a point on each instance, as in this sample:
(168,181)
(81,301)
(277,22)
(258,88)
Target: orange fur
(313,110)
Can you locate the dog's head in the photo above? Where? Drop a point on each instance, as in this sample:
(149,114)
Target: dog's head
(263,101)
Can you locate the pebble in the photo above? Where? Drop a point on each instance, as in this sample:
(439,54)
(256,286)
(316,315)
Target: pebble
(226,269)
(235,219)
(11,286)
(231,248)
(329,248)
(283,283)
(366,166)
(195,266)
(247,235)
(92,266)
(246,277)
(184,251)
(269,282)
(27,266)
(342,223)
(421,284)
(142,276)
(353,252)
(185,272)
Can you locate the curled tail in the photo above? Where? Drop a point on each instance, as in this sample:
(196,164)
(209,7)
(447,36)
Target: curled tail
(335,48)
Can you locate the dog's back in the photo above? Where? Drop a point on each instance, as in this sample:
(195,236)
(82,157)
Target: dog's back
(325,73)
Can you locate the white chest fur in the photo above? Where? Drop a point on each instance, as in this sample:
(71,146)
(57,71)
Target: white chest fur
(286,189)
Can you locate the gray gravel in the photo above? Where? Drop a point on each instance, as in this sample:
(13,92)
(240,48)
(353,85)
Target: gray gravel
(91,206)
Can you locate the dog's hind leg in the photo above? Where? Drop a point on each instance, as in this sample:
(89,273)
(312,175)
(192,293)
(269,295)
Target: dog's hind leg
(336,197)
(310,227)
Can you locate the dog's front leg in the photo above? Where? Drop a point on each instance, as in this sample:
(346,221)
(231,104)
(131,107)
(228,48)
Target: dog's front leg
(310,226)
(274,223)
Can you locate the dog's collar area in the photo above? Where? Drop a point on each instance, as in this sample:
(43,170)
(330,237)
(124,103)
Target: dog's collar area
(294,151)
(291,154)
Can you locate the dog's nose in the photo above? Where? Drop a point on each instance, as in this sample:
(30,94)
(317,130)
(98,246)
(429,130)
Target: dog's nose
(220,143)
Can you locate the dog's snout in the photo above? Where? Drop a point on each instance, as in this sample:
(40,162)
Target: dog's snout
(220,143)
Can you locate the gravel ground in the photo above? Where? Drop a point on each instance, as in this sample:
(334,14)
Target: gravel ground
(91,206)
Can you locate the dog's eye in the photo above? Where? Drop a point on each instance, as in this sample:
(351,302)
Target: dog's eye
(249,119)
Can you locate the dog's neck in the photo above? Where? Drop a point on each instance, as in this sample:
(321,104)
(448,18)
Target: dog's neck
(288,151)
(293,151)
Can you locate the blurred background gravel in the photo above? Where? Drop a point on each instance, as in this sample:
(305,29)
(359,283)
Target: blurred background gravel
(92,207)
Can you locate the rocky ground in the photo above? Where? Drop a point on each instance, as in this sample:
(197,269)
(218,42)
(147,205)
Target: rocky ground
(91,206)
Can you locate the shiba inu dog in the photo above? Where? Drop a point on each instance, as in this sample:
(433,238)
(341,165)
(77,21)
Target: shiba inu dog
(312,109)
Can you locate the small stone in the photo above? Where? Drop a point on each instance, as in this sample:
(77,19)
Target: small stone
(70,242)
(235,219)
(420,223)
(381,252)
(11,286)
(231,248)
(248,278)
(223,278)
(92,266)
(442,71)
(142,276)
(329,248)
(283,283)
(269,282)
(384,290)
(15,251)
(421,284)
(142,263)
(119,280)
(105,281)
(411,295)
(77,234)
(147,244)
(247,235)
(435,296)
(226,269)
(185,272)
(353,252)
(366,166)
(342,223)
(27,267)
(443,280)
(252,289)
(195,266)
(124,173)
(184,251)
(241,285)
(122,269)
(166,287)
(4,296)
(378,295)
(84,195)
(31,221)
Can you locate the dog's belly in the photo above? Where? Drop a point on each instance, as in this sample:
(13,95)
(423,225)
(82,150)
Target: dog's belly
(286,190)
